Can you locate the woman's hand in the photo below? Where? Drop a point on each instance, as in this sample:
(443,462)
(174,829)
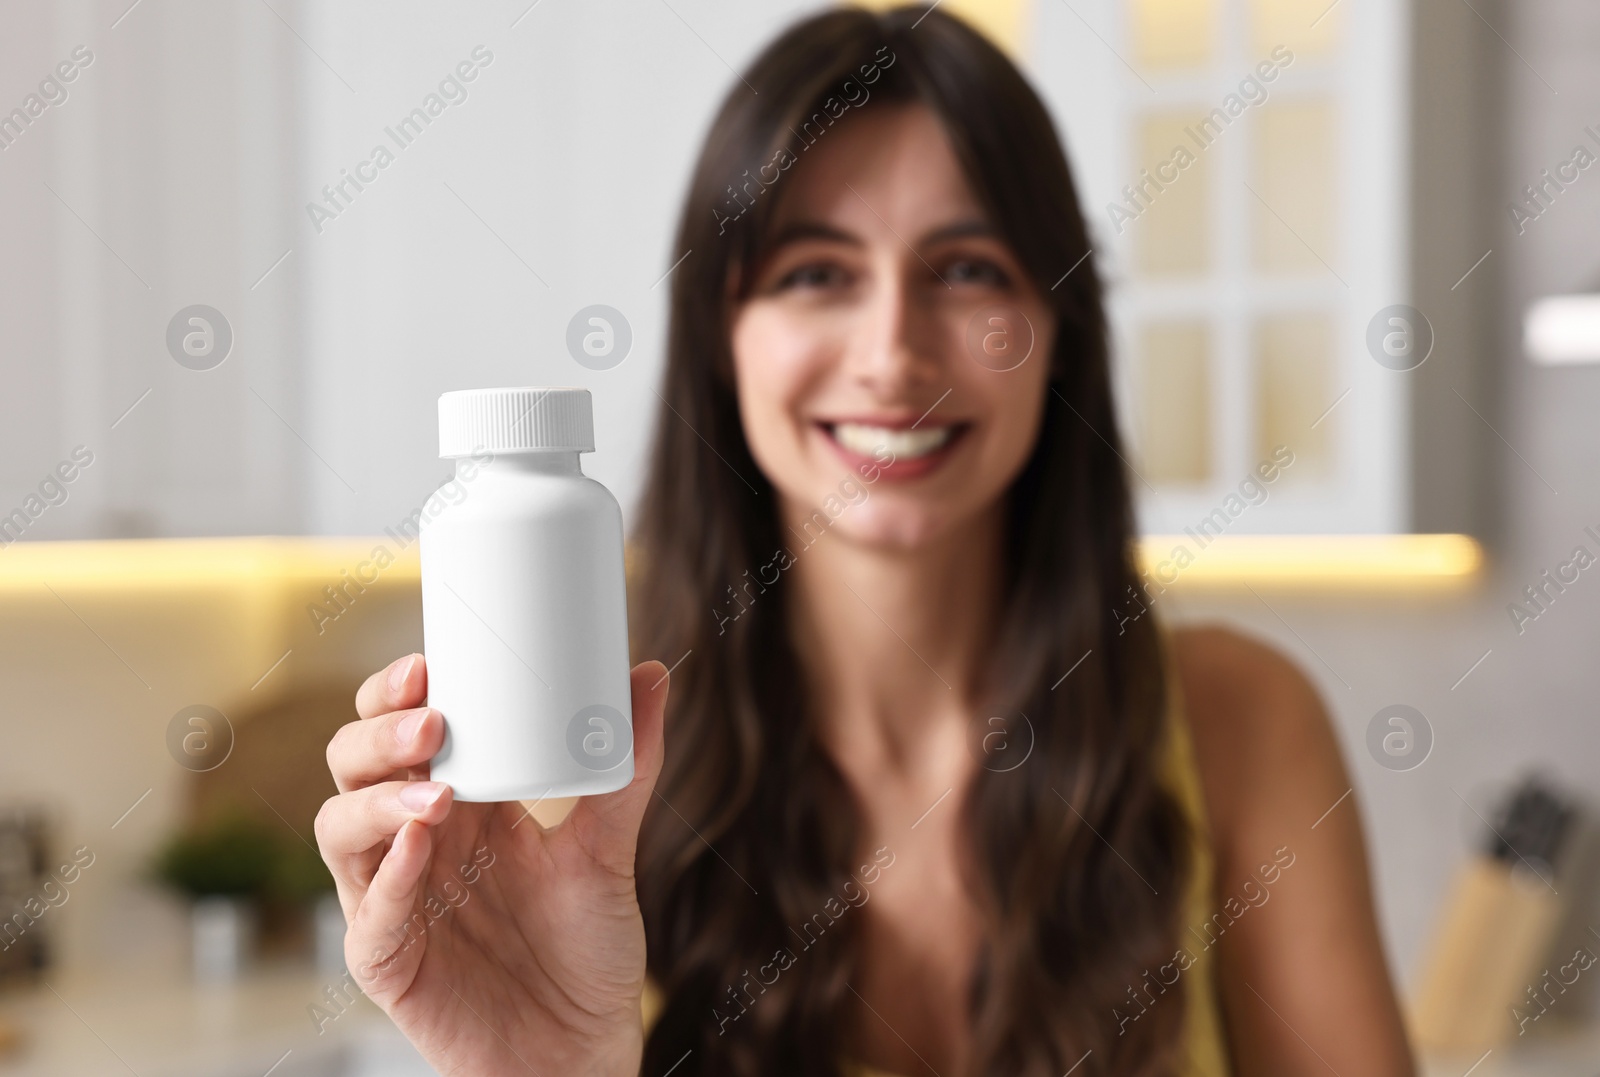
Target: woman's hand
(494,943)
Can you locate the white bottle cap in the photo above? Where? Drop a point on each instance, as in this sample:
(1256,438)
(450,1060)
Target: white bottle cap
(530,419)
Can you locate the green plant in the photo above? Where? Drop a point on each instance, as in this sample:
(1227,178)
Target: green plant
(232,855)
(298,873)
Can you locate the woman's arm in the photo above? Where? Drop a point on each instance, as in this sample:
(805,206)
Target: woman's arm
(1305,985)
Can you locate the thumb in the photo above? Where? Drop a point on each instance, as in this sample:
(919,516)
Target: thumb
(608,824)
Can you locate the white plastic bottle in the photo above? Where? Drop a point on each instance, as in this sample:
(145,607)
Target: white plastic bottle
(524,607)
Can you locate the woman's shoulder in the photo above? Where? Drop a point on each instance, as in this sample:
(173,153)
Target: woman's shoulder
(1216,658)
(1263,740)
(1235,685)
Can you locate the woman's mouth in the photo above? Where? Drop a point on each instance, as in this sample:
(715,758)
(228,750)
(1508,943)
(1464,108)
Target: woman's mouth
(894,452)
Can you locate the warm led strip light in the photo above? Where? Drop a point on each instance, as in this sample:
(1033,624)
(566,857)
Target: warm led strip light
(177,564)
(1314,560)
(208,563)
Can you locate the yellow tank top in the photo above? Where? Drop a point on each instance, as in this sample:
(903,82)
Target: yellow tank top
(1203,1048)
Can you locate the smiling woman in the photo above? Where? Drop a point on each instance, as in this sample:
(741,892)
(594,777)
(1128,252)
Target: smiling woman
(1071,799)
(832,323)
(836,320)
(853,335)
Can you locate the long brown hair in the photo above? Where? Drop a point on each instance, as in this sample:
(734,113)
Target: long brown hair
(1077,857)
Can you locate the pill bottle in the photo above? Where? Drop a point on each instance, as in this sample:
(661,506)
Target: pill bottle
(524,607)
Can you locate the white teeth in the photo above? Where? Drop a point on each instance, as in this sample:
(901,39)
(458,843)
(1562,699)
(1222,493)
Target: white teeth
(902,444)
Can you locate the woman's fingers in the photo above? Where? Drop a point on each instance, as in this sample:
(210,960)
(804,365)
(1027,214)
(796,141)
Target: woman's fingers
(608,824)
(383,947)
(370,750)
(396,733)
(352,827)
(400,686)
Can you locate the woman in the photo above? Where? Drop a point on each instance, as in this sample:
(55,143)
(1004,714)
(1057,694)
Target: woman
(929,802)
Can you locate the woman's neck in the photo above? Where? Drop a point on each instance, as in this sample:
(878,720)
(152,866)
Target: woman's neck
(893,640)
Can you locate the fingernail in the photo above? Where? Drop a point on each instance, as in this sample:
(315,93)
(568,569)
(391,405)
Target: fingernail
(418,796)
(406,731)
(397,675)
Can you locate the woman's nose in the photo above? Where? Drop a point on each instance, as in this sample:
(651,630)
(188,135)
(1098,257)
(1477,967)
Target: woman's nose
(894,350)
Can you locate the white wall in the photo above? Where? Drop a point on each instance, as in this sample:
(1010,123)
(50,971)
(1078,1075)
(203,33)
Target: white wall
(158,183)
(573,147)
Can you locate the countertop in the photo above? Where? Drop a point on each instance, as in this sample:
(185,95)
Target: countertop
(109,1025)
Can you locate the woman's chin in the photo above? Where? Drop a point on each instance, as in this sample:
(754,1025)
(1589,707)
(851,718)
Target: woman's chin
(892,528)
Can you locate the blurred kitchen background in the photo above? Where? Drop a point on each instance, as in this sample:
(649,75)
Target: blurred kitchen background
(219,368)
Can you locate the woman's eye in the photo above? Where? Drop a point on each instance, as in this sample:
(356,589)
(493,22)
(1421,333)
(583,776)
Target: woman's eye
(812,275)
(976,271)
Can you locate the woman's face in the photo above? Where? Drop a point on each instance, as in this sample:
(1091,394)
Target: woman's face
(885,377)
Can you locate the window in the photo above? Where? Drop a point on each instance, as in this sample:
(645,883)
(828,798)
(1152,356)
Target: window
(1245,181)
